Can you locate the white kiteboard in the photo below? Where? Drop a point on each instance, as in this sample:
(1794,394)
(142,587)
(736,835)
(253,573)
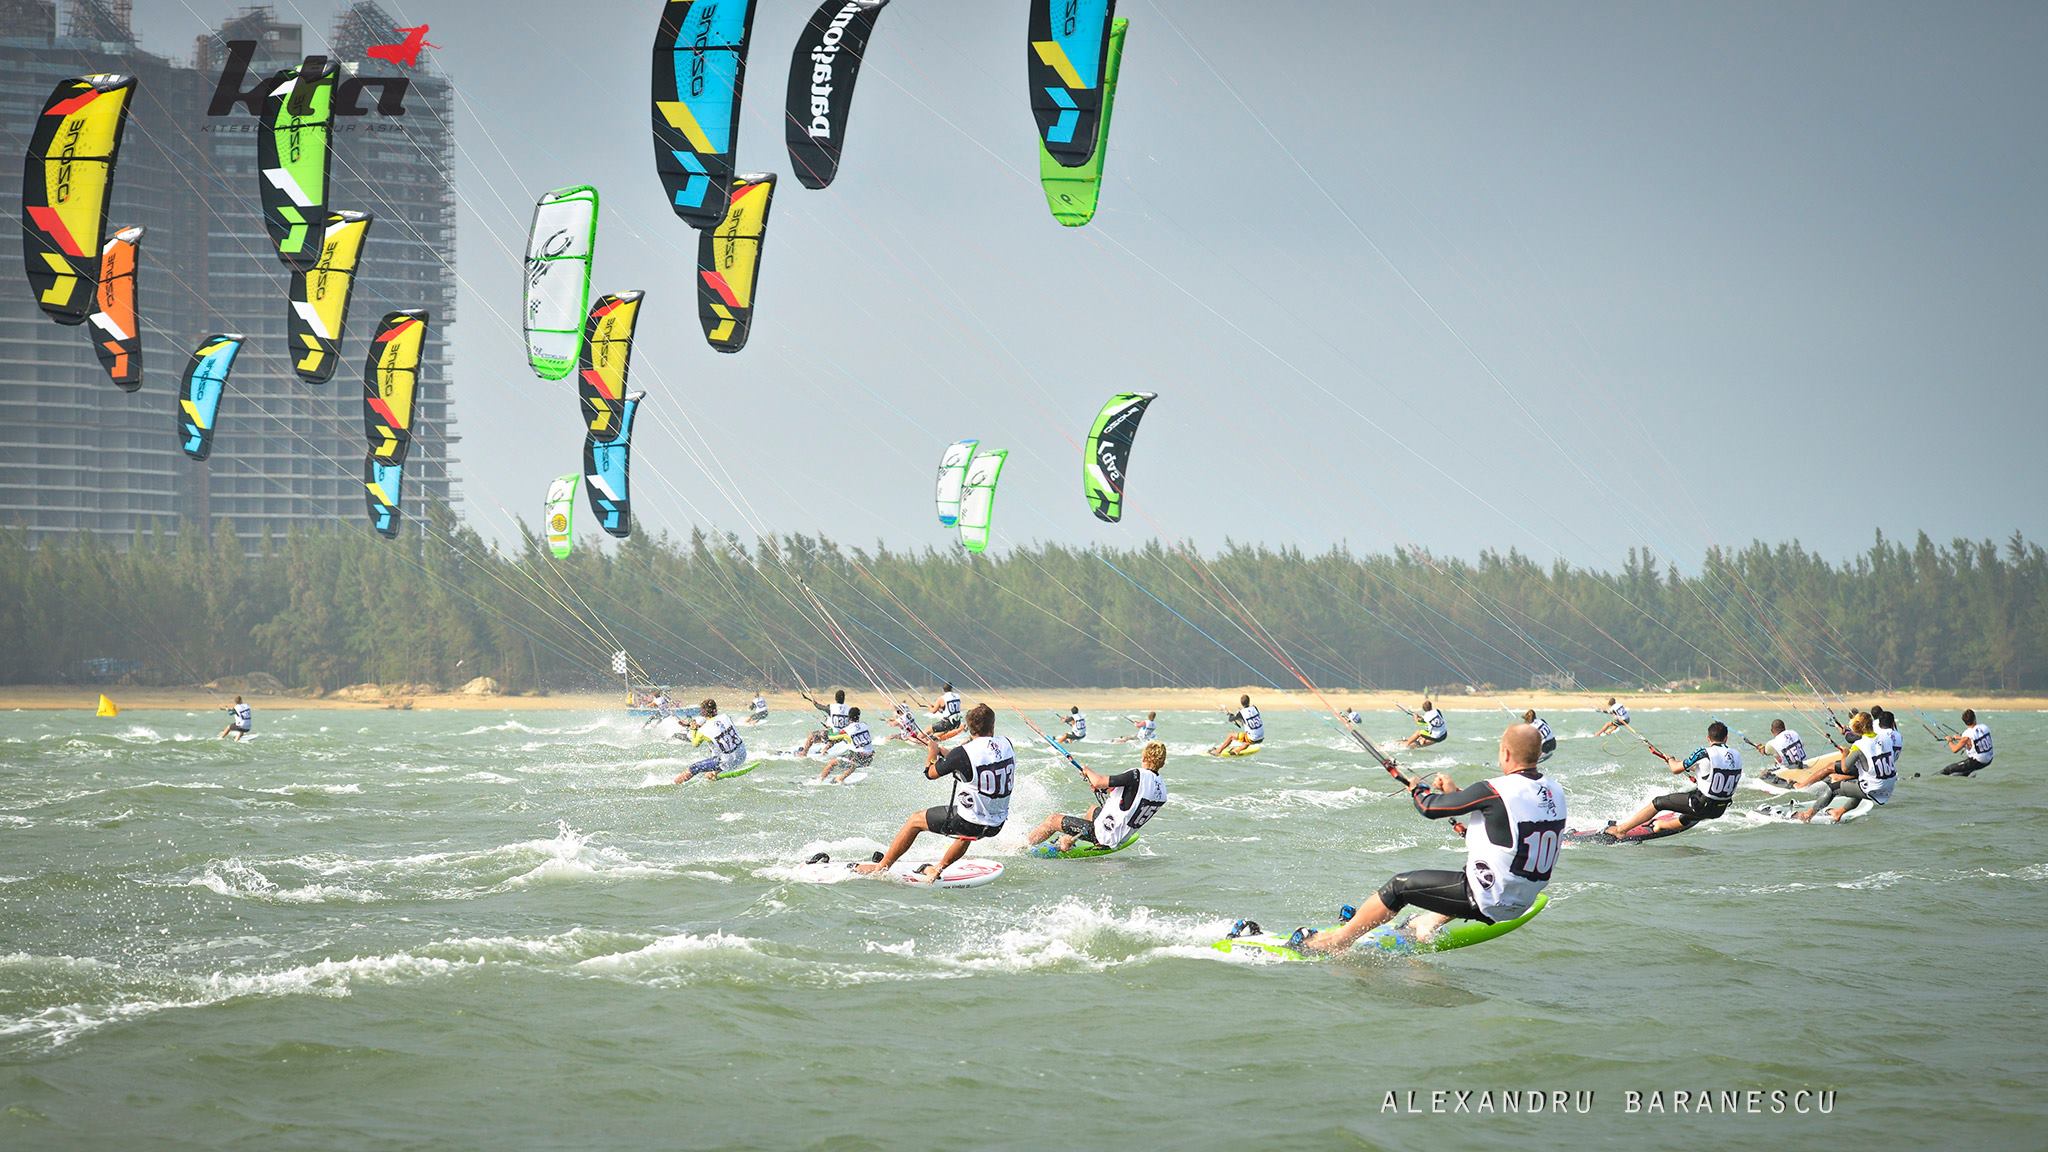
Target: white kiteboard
(962,874)
(1785,812)
(859,774)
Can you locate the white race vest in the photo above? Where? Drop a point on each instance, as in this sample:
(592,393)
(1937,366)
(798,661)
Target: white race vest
(1979,736)
(1080,723)
(1545,736)
(760,704)
(836,718)
(985,799)
(242,717)
(1619,712)
(861,738)
(721,735)
(1254,725)
(1149,729)
(1789,749)
(1719,773)
(950,703)
(1876,772)
(1434,721)
(1505,878)
(1119,815)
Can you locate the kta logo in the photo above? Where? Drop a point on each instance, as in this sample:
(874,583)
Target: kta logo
(391,90)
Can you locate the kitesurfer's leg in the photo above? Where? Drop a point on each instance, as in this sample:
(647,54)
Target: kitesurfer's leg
(905,837)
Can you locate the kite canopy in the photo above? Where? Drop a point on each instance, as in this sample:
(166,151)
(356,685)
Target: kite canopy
(292,145)
(116,332)
(561,515)
(607,354)
(821,78)
(199,395)
(607,472)
(320,297)
(700,60)
(978,499)
(952,477)
(1071,192)
(390,379)
(729,264)
(1106,456)
(65,180)
(559,247)
(382,481)
(1066,62)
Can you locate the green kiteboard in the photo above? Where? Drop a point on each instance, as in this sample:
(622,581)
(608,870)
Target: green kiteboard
(1080,851)
(742,770)
(1456,934)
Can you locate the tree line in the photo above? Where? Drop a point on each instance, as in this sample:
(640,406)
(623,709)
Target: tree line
(324,608)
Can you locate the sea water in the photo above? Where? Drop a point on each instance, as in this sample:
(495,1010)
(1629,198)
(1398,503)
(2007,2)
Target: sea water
(507,930)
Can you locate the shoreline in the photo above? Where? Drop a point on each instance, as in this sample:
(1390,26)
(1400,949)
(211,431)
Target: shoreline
(64,698)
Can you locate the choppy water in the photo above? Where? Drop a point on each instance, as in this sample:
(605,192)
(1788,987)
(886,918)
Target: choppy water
(385,930)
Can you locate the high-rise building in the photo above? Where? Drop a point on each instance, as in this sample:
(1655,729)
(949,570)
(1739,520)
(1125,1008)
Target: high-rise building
(77,454)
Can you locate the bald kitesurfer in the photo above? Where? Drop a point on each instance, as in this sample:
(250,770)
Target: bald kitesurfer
(1866,772)
(1125,802)
(1715,769)
(728,750)
(1431,727)
(1513,826)
(984,772)
(1974,743)
(1619,712)
(1251,729)
(1787,752)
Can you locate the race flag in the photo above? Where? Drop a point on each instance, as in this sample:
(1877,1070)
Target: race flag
(619,662)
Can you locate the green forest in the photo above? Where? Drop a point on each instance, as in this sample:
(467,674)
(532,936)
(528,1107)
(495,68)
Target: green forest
(324,609)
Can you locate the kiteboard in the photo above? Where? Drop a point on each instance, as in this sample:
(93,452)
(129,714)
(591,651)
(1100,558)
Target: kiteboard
(1787,812)
(1081,850)
(859,774)
(960,874)
(1386,938)
(1635,835)
(1240,750)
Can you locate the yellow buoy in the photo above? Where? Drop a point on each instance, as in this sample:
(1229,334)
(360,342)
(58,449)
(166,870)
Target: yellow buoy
(108,707)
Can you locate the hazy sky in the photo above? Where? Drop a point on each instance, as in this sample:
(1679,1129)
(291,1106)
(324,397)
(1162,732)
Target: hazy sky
(1562,277)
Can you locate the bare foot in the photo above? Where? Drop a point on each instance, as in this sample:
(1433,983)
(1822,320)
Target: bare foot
(869,868)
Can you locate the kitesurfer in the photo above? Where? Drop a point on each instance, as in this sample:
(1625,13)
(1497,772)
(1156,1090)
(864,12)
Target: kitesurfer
(860,748)
(1542,727)
(1353,717)
(661,706)
(984,771)
(1077,726)
(1974,743)
(1431,727)
(759,709)
(946,712)
(836,720)
(1125,802)
(1619,712)
(240,722)
(1251,730)
(728,750)
(1866,772)
(1148,728)
(1715,769)
(1787,752)
(1513,826)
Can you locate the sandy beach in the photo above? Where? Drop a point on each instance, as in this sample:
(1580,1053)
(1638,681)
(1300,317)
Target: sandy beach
(1110,700)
